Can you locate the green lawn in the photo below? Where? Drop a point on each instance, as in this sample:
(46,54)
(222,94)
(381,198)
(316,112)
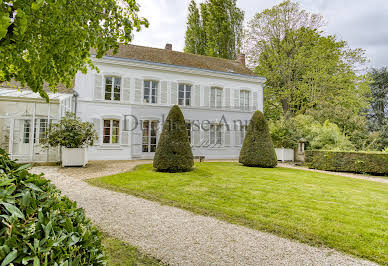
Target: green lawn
(120,253)
(347,214)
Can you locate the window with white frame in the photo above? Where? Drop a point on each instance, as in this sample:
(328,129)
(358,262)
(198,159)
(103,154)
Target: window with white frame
(243,132)
(41,127)
(150,91)
(150,129)
(112,88)
(26,131)
(111,131)
(188,128)
(244,100)
(215,97)
(215,134)
(184,94)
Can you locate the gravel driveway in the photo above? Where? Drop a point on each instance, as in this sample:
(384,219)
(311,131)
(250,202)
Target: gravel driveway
(179,237)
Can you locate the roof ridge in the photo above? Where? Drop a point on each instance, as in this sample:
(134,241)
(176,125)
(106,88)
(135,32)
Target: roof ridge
(174,51)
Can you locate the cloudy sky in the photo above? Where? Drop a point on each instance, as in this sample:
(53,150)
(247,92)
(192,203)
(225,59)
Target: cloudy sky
(363,23)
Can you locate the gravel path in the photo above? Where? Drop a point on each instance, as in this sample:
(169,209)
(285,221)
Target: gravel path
(179,237)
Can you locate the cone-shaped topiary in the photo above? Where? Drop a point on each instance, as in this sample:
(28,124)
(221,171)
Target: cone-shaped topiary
(173,153)
(257,149)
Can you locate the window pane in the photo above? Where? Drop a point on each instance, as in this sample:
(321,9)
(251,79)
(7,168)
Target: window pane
(181,94)
(145,148)
(153,148)
(117,96)
(154,84)
(146,84)
(180,101)
(118,82)
(116,123)
(187,102)
(106,139)
(115,139)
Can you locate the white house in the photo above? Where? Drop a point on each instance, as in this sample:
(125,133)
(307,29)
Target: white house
(134,90)
(129,98)
(24,119)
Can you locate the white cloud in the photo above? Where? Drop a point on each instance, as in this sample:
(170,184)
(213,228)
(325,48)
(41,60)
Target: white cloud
(361,23)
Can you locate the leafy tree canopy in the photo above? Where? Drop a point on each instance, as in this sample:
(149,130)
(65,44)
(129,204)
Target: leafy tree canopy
(378,113)
(215,29)
(48,41)
(307,71)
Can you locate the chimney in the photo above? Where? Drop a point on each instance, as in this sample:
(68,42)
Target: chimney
(241,59)
(168,46)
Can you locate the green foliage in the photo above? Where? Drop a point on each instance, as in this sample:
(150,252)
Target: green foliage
(357,162)
(173,153)
(283,133)
(38,226)
(48,41)
(306,69)
(195,40)
(257,149)
(378,114)
(328,136)
(215,29)
(70,132)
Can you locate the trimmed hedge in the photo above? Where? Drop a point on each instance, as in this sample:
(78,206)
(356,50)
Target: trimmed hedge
(38,226)
(257,149)
(343,161)
(173,153)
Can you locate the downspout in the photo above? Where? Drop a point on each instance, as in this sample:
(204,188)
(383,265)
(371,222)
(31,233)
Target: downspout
(75,94)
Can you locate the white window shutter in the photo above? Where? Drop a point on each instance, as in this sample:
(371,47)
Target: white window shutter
(197,96)
(126,89)
(16,131)
(236,99)
(98,88)
(227,135)
(206,96)
(255,96)
(174,93)
(237,137)
(204,138)
(138,88)
(196,133)
(124,138)
(163,92)
(97,127)
(227,98)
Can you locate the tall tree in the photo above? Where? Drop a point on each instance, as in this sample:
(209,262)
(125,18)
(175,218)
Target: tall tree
(307,70)
(273,24)
(48,41)
(195,36)
(378,114)
(220,28)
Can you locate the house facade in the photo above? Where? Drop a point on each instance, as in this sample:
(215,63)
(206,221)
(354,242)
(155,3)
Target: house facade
(128,100)
(130,96)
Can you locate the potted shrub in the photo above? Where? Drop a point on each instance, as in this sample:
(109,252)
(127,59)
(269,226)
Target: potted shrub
(74,137)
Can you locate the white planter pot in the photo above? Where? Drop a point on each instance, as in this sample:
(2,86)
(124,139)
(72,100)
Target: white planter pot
(74,157)
(284,154)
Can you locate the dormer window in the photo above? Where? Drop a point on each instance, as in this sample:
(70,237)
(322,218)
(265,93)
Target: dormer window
(112,88)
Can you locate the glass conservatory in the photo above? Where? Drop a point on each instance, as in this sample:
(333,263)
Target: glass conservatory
(24,119)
